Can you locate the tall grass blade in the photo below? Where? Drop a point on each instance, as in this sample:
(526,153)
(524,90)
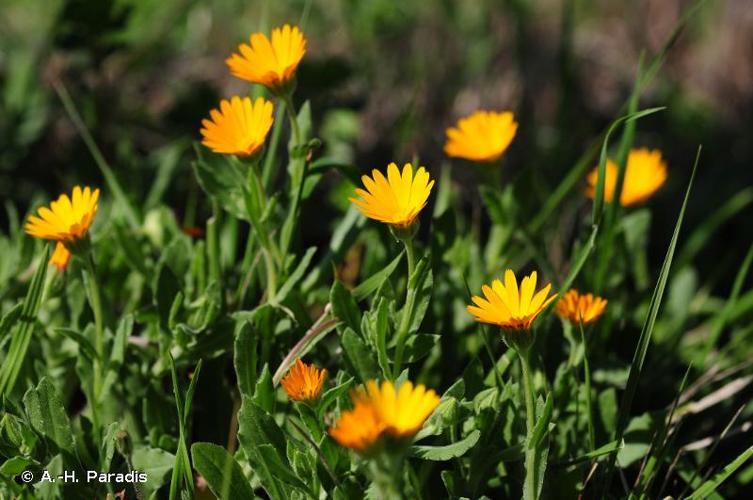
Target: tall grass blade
(110,178)
(636,366)
(712,484)
(598,205)
(701,235)
(721,320)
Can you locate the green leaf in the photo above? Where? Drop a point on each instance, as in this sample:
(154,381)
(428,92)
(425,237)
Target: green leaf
(331,395)
(264,444)
(264,393)
(712,484)
(360,356)
(245,358)
(419,293)
(47,414)
(221,180)
(542,424)
(295,276)
(15,466)
(256,427)
(373,282)
(156,463)
(85,346)
(720,321)
(344,307)
(222,473)
(281,469)
(448,452)
(10,318)
(19,344)
(382,326)
(607,449)
(419,346)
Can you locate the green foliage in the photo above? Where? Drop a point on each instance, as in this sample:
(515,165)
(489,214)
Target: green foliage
(162,351)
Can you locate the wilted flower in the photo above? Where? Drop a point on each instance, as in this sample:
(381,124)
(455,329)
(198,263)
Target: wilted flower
(578,308)
(384,411)
(509,307)
(271,63)
(67,220)
(60,257)
(645,173)
(397,199)
(482,136)
(239,127)
(304,382)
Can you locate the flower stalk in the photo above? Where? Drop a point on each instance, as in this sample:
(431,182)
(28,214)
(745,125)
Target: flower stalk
(587,376)
(410,298)
(529,490)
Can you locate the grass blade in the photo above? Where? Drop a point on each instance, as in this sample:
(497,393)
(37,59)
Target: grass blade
(721,320)
(636,366)
(598,205)
(712,484)
(700,236)
(110,178)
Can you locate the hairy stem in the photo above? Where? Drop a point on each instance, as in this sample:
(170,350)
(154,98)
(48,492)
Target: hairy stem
(529,490)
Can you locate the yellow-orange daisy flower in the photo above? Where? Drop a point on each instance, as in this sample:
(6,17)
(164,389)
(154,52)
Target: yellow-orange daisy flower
(304,382)
(645,173)
(271,63)
(509,307)
(67,220)
(482,137)
(60,257)
(396,199)
(578,308)
(381,410)
(358,429)
(404,410)
(239,127)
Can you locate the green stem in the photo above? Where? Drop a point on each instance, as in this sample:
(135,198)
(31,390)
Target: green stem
(290,110)
(404,327)
(213,244)
(497,374)
(254,204)
(529,490)
(95,302)
(387,474)
(410,253)
(297,178)
(587,375)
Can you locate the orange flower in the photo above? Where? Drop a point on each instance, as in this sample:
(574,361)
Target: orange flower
(271,63)
(239,127)
(578,308)
(358,429)
(383,410)
(397,199)
(645,173)
(509,307)
(482,137)
(67,220)
(304,382)
(60,257)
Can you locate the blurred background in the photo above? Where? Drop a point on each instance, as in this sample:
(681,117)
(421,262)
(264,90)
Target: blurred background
(385,78)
